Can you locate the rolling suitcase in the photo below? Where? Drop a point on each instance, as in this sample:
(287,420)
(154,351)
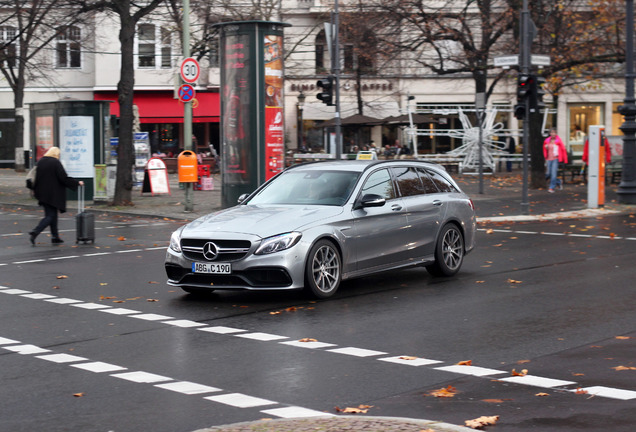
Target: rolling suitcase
(85,222)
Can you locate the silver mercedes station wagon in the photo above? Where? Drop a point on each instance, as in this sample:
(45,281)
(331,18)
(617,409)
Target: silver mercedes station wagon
(315,225)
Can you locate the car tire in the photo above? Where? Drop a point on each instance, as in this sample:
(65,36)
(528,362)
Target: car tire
(323,270)
(196,291)
(449,252)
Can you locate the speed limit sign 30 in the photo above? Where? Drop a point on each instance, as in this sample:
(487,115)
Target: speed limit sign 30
(190,70)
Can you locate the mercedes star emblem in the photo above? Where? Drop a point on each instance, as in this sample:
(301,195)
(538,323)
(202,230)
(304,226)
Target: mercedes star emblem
(210,251)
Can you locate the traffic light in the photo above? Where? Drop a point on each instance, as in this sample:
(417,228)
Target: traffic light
(326,95)
(523,88)
(520,111)
(536,100)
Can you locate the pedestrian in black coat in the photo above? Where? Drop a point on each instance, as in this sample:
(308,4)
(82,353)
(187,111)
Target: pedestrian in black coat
(51,182)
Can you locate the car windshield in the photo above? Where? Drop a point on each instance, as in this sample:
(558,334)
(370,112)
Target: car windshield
(308,187)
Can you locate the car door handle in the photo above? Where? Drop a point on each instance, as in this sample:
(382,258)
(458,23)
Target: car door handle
(437,203)
(396,207)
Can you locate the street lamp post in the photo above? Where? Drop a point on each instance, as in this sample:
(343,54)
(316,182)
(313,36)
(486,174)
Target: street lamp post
(300,106)
(627,187)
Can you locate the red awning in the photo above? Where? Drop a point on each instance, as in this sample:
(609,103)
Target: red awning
(161,107)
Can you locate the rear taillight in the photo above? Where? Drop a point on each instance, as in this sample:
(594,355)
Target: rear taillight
(472,205)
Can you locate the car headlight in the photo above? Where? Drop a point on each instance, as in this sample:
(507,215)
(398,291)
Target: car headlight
(175,240)
(278,243)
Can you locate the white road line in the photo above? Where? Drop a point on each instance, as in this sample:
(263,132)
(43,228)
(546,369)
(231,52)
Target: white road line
(608,392)
(222,330)
(470,370)
(64,300)
(537,381)
(240,400)
(266,337)
(98,367)
(295,412)
(37,296)
(152,317)
(357,352)
(188,388)
(184,387)
(410,361)
(61,358)
(92,254)
(311,344)
(183,323)
(14,291)
(26,349)
(141,377)
(90,306)
(120,311)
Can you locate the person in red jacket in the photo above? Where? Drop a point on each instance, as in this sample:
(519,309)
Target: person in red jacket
(554,153)
(608,152)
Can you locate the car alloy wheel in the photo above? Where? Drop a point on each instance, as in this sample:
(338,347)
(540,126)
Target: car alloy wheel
(323,271)
(449,252)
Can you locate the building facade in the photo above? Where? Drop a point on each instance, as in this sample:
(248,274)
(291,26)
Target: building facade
(83,63)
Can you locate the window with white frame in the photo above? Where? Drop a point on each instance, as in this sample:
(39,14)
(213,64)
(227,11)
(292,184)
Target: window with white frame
(8,46)
(154,47)
(67,47)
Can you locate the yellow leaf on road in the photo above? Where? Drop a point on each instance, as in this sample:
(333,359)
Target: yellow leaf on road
(482,421)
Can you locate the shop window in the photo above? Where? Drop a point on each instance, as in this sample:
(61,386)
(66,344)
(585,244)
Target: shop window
(581,117)
(8,46)
(68,48)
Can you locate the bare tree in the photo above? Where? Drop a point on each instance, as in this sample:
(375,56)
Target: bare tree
(29,27)
(129,14)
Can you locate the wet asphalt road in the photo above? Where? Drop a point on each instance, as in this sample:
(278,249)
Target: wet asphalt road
(550,297)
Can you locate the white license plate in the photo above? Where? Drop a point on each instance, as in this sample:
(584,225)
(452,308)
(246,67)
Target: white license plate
(216,268)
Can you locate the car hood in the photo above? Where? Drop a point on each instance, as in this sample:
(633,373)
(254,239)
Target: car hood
(260,220)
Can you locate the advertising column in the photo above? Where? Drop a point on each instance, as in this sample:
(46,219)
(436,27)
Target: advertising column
(252,129)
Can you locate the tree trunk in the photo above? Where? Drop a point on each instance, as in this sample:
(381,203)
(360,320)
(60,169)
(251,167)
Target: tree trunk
(18,100)
(125,89)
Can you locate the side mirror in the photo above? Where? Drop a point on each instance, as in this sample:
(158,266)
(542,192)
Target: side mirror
(370,200)
(242,198)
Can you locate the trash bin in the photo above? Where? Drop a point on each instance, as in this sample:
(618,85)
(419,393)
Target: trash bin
(187,167)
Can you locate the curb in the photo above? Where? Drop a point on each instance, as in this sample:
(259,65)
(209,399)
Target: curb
(332,423)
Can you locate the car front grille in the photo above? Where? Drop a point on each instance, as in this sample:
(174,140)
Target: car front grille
(228,250)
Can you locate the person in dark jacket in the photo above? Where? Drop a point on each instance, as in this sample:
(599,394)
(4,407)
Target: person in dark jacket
(51,182)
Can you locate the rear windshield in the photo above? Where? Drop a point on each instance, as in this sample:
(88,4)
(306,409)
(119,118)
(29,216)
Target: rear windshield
(308,188)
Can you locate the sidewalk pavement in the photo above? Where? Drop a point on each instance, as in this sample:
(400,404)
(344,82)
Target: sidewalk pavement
(499,200)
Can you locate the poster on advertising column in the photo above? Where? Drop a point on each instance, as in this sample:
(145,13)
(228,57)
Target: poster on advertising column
(76,146)
(274,136)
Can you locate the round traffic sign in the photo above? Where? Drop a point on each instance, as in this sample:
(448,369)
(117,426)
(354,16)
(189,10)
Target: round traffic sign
(190,70)
(186,93)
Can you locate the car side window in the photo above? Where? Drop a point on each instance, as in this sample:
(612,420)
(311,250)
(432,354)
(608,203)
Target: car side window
(428,184)
(442,184)
(408,181)
(379,183)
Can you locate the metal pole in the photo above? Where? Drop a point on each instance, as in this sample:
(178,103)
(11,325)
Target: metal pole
(627,187)
(187,106)
(525,69)
(335,67)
